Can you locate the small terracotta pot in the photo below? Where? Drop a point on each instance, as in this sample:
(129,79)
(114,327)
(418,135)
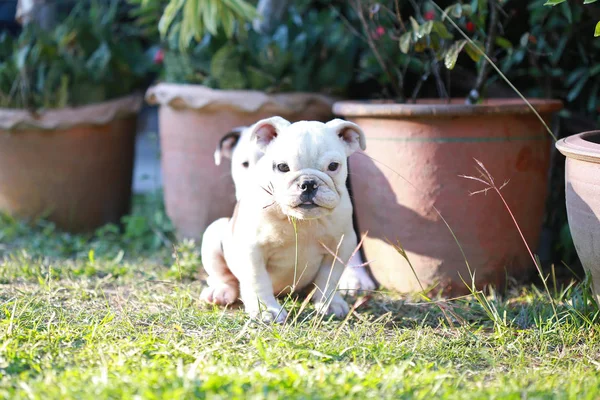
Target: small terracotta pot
(192,120)
(582,176)
(72,166)
(415,154)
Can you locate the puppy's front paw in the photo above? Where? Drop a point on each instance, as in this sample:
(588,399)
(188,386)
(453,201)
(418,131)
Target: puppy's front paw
(269,315)
(337,307)
(355,280)
(222,294)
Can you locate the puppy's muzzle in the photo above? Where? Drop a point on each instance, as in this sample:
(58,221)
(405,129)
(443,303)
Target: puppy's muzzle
(308,189)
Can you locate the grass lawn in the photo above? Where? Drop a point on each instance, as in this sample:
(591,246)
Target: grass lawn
(117,315)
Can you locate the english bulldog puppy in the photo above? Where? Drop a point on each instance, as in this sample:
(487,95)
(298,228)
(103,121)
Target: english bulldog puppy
(245,147)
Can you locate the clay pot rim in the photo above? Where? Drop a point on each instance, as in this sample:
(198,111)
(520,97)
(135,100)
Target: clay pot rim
(197,97)
(439,108)
(579,147)
(13,119)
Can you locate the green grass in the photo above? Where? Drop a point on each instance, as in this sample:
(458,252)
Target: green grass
(117,315)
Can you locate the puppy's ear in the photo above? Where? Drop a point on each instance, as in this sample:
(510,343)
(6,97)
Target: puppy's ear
(264,131)
(227,144)
(350,133)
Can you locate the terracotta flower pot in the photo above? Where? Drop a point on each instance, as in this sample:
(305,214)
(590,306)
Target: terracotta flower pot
(73,166)
(582,176)
(429,145)
(192,119)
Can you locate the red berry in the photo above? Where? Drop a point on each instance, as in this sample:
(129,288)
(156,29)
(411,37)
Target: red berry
(159,56)
(380,31)
(470,27)
(429,15)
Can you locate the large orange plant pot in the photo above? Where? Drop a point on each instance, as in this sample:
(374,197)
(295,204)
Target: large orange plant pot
(582,175)
(192,119)
(415,154)
(72,166)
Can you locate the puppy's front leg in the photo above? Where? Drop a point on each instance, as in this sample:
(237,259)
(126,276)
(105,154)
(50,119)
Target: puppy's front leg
(327,299)
(256,289)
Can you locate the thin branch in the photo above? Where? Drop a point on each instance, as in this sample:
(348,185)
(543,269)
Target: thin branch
(475,94)
(396,85)
(435,66)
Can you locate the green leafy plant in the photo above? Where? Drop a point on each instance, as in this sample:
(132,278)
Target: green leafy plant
(309,51)
(557,2)
(89,56)
(419,38)
(556,56)
(192,19)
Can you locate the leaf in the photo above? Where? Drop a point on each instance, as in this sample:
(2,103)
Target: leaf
(559,49)
(169,15)
(281,37)
(457,11)
(414,24)
(228,24)
(593,97)
(575,75)
(209,13)
(595,70)
(405,41)
(553,2)
(475,50)
(226,66)
(22,56)
(504,43)
(258,79)
(574,92)
(452,54)
(441,30)
(425,29)
(597,30)
(589,1)
(99,59)
(566,10)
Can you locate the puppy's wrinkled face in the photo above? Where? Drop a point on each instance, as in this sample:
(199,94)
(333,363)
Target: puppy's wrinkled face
(307,162)
(244,155)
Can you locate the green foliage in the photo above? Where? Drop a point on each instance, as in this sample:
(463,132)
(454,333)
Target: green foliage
(189,20)
(557,2)
(186,259)
(199,17)
(310,51)
(90,56)
(558,57)
(416,38)
(147,229)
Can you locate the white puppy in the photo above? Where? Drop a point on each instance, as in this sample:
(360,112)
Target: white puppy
(301,181)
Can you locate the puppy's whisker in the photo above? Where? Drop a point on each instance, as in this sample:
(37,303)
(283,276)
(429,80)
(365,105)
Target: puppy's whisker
(266,190)
(268,205)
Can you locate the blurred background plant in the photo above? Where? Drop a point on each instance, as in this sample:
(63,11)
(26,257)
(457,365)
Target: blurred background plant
(308,50)
(93,54)
(414,44)
(187,20)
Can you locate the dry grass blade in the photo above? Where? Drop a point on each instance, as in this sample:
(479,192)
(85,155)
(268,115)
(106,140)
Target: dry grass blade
(492,186)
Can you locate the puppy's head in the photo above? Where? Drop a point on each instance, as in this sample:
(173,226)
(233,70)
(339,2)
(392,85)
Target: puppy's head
(306,162)
(236,145)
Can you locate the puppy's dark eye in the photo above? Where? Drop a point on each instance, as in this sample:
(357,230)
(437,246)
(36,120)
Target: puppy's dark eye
(333,166)
(245,164)
(283,167)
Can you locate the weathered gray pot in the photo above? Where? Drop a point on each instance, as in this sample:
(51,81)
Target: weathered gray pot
(582,176)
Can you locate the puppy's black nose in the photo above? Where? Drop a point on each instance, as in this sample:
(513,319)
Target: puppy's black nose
(308,187)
